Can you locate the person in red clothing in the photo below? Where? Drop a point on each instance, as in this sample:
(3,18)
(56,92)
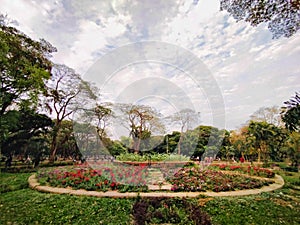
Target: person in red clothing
(242,160)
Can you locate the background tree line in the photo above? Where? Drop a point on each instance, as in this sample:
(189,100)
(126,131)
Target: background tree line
(38,97)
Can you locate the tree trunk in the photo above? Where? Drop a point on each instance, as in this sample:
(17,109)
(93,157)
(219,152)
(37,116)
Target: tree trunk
(258,158)
(53,148)
(179,144)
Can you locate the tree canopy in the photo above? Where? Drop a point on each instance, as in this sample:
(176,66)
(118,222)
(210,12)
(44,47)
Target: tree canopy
(282,16)
(24,66)
(291,113)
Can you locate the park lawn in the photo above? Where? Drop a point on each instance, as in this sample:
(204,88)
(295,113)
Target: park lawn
(25,206)
(21,205)
(279,207)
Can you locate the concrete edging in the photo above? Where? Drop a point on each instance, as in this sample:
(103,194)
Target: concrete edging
(33,184)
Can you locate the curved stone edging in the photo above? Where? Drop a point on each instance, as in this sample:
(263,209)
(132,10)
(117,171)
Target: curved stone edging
(33,184)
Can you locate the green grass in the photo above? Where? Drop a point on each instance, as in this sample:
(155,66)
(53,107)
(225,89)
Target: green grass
(21,205)
(31,207)
(279,207)
(13,181)
(259,209)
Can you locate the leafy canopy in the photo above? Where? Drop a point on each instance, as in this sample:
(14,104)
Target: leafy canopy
(24,65)
(282,16)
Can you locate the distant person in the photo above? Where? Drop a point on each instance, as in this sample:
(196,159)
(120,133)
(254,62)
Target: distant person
(8,161)
(242,160)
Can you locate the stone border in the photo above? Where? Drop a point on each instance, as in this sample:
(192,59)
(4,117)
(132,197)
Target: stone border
(33,184)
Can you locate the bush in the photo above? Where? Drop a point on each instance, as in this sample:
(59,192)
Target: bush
(166,210)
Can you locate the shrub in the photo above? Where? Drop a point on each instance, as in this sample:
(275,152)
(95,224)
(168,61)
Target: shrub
(168,210)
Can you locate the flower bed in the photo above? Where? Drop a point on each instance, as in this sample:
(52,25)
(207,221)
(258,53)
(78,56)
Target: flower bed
(195,179)
(104,178)
(251,170)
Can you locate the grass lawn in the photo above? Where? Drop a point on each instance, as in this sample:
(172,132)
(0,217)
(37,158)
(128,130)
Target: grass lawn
(21,205)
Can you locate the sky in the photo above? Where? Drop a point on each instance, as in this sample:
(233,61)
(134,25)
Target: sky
(167,54)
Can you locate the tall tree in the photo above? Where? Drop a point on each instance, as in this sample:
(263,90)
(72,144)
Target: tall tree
(187,119)
(282,16)
(96,118)
(291,113)
(142,121)
(292,147)
(268,114)
(265,138)
(103,113)
(291,118)
(66,92)
(24,67)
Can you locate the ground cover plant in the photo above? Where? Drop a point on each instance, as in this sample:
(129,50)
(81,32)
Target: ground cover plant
(197,179)
(102,177)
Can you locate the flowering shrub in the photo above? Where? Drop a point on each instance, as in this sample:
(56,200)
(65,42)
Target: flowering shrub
(251,170)
(111,177)
(195,179)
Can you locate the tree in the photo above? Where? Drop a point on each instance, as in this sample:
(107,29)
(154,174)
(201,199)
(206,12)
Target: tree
(187,118)
(103,113)
(292,147)
(24,66)
(291,118)
(265,138)
(143,121)
(96,119)
(291,113)
(66,141)
(21,128)
(282,16)
(66,91)
(267,114)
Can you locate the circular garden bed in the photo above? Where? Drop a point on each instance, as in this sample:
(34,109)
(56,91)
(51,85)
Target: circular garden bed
(128,178)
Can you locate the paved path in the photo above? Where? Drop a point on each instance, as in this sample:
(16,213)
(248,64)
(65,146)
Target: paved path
(33,183)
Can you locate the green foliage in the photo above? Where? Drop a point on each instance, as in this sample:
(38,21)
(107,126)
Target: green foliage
(66,142)
(291,113)
(23,130)
(266,138)
(154,157)
(116,148)
(13,182)
(24,65)
(292,148)
(174,211)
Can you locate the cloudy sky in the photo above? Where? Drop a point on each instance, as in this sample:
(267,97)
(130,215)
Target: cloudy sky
(239,69)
